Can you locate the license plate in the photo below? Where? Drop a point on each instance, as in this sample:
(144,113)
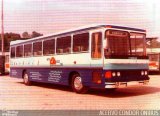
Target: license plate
(132,83)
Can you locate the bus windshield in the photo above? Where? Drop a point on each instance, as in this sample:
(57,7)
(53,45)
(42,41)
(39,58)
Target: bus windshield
(137,44)
(122,44)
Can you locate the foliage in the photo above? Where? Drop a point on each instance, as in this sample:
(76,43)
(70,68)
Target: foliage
(8,37)
(154,43)
(36,34)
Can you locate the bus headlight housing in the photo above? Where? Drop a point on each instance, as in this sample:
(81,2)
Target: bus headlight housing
(113,74)
(145,72)
(142,73)
(118,74)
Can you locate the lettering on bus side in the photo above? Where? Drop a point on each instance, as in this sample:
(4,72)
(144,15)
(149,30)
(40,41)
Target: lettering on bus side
(13,72)
(36,76)
(55,76)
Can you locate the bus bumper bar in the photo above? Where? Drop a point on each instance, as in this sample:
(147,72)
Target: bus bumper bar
(125,84)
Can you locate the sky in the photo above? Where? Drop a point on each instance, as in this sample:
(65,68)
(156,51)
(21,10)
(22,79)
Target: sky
(49,16)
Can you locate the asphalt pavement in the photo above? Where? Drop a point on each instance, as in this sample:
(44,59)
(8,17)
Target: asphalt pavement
(14,95)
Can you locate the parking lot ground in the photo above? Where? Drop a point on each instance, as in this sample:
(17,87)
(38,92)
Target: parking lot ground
(14,95)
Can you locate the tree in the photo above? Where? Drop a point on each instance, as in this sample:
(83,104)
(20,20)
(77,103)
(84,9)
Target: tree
(26,35)
(8,37)
(35,34)
(153,43)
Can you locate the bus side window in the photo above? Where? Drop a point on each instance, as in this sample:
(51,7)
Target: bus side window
(13,52)
(37,49)
(19,51)
(81,42)
(63,45)
(49,47)
(27,50)
(96,49)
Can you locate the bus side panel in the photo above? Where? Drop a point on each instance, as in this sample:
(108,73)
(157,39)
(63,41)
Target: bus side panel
(58,75)
(16,72)
(48,75)
(61,75)
(86,75)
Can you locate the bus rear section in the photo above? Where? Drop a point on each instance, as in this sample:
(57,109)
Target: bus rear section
(154,62)
(2,64)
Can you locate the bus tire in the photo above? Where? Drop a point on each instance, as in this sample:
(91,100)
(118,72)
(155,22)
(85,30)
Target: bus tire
(26,79)
(77,85)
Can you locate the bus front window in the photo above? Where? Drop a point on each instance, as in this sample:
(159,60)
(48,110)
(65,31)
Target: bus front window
(122,44)
(137,44)
(117,43)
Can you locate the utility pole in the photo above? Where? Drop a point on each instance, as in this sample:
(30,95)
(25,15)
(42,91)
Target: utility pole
(2,30)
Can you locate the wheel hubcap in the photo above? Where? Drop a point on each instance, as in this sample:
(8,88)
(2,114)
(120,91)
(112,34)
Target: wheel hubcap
(78,83)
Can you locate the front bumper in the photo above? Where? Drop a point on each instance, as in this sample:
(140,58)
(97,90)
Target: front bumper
(125,84)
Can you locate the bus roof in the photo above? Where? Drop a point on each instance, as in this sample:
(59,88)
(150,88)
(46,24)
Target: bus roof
(84,28)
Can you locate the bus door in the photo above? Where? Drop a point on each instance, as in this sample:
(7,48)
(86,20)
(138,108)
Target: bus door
(96,49)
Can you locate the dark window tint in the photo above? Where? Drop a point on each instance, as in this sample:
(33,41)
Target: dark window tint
(27,50)
(96,45)
(81,42)
(137,44)
(37,49)
(64,45)
(19,51)
(13,52)
(118,43)
(49,47)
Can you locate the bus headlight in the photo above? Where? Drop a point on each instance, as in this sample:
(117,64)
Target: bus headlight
(142,72)
(146,73)
(118,74)
(113,74)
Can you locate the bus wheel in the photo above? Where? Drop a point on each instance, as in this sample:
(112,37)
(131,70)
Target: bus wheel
(26,79)
(77,84)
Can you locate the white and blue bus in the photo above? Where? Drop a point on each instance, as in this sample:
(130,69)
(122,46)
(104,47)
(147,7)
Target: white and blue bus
(96,56)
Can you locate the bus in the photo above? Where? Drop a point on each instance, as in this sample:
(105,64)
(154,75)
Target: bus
(4,63)
(154,60)
(95,56)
